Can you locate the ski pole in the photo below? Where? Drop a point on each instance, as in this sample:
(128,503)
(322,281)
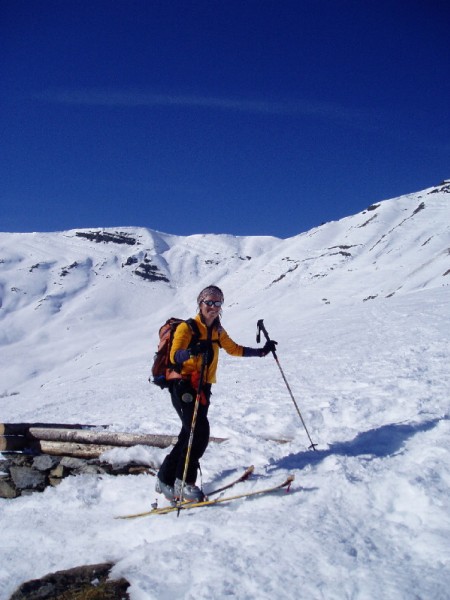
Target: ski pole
(260,327)
(191,433)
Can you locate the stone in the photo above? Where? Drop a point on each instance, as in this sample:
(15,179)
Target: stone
(26,478)
(7,490)
(54,481)
(86,469)
(44,462)
(59,471)
(71,462)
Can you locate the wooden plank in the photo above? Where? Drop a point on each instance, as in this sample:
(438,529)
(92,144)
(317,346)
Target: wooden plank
(22,428)
(112,438)
(109,438)
(70,449)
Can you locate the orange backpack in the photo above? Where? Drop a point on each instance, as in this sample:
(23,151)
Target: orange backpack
(161,363)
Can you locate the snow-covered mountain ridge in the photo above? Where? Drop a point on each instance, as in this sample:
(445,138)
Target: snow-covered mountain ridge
(72,281)
(406,235)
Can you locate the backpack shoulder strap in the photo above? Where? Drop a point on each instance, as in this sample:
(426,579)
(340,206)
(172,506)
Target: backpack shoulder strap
(192,323)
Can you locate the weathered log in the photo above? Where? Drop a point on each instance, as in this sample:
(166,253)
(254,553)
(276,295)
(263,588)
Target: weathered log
(70,449)
(99,437)
(22,435)
(111,438)
(12,443)
(22,428)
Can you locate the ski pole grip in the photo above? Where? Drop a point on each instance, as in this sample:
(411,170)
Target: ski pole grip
(260,327)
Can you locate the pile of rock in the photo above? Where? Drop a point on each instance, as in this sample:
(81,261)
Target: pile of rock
(22,474)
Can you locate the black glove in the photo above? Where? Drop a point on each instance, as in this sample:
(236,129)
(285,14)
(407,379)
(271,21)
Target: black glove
(269,346)
(202,347)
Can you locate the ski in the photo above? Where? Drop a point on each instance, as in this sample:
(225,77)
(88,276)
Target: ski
(190,505)
(243,477)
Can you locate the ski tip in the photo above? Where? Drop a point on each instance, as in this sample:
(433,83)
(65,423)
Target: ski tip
(289,481)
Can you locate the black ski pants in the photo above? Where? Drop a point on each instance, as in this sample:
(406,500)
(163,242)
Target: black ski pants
(173,465)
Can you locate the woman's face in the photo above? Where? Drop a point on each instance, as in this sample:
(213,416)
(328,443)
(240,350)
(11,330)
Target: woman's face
(209,313)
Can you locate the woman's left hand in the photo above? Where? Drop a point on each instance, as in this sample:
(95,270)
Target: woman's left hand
(269,346)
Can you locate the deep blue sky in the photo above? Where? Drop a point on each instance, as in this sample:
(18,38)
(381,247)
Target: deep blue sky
(249,117)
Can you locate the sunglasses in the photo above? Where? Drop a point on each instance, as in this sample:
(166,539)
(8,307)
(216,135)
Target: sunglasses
(212,302)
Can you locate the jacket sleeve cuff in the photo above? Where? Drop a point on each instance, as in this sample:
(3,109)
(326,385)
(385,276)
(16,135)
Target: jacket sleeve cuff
(252,351)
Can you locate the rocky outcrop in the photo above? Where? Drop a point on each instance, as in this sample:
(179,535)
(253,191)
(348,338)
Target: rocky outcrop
(150,272)
(88,582)
(116,237)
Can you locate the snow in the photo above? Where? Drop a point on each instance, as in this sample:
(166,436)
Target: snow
(368,513)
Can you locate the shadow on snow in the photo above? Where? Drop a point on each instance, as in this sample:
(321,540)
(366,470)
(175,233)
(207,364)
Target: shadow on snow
(381,442)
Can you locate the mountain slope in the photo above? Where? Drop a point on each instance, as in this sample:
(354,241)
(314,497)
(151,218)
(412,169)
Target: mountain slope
(367,516)
(55,286)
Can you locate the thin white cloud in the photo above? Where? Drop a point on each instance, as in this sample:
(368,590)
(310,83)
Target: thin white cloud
(130,99)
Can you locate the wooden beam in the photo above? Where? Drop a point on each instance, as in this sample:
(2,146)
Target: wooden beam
(70,449)
(88,434)
(22,428)
(108,438)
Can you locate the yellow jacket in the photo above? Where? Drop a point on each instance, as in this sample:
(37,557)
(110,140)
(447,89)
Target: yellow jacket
(219,339)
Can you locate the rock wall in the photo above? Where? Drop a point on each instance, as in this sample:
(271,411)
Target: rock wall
(24,474)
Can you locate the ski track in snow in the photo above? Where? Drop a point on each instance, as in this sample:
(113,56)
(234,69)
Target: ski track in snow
(368,513)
